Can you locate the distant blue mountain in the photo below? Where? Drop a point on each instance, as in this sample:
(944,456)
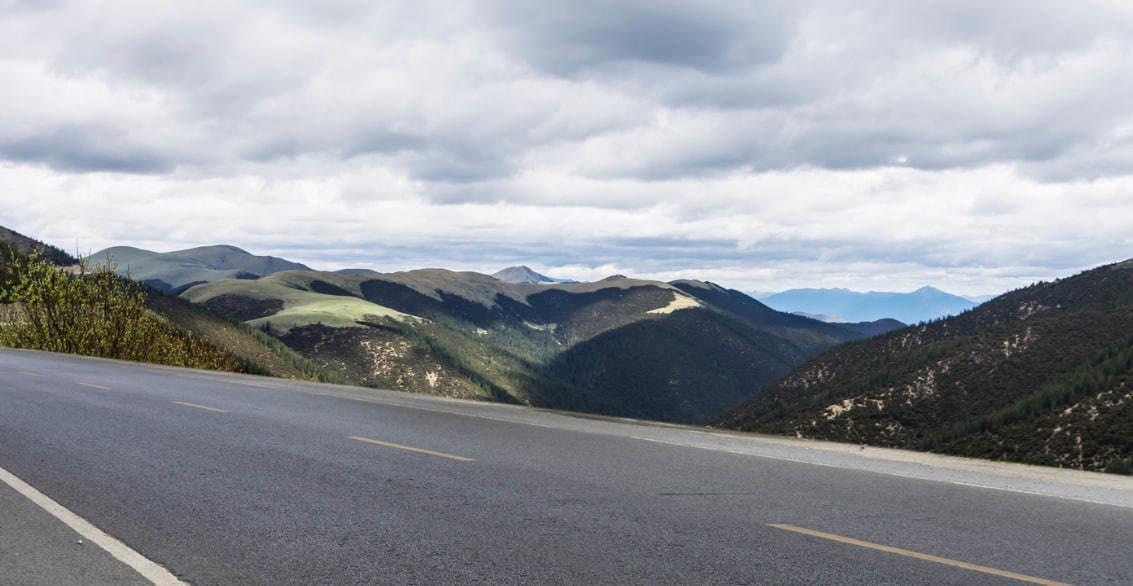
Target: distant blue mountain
(852,306)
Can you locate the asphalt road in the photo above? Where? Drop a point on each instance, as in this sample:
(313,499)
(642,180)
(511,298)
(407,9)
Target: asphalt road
(227,479)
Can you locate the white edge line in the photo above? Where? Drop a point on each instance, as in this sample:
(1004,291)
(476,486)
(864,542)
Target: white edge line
(148,569)
(896,474)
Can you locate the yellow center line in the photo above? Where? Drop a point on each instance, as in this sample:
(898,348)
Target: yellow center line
(94,386)
(196,406)
(920,556)
(411,449)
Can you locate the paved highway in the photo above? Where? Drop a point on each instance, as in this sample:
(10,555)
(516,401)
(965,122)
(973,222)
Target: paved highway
(228,479)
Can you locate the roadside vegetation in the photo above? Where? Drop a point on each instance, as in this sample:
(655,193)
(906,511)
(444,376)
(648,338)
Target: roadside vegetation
(93,313)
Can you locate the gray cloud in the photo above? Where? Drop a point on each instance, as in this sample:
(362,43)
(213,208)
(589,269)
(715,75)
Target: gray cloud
(730,135)
(593,35)
(84,148)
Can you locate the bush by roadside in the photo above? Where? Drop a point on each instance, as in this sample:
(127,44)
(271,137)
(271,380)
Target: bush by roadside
(93,313)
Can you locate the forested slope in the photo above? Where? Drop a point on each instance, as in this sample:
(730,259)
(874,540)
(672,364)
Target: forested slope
(1037,375)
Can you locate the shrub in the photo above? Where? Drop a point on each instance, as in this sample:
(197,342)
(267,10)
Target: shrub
(94,313)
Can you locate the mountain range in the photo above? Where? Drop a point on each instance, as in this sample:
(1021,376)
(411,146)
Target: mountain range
(924,304)
(685,351)
(1043,375)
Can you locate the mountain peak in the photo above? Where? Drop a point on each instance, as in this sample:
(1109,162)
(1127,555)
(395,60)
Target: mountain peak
(521,274)
(222,247)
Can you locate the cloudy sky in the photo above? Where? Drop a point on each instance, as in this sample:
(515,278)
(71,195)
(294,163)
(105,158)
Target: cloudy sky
(975,146)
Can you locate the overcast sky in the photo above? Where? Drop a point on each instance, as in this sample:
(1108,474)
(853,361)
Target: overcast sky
(974,146)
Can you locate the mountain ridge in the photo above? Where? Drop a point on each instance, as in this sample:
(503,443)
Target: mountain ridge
(177,270)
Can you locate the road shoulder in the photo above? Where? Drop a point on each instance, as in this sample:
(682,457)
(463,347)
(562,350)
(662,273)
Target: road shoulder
(36,548)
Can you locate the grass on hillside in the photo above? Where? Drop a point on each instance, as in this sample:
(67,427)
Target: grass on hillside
(339,312)
(301,307)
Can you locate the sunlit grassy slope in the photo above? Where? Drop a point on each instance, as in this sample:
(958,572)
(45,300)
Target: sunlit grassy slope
(299,306)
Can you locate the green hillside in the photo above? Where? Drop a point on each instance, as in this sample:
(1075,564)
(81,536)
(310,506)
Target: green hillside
(282,301)
(678,352)
(1038,375)
(176,271)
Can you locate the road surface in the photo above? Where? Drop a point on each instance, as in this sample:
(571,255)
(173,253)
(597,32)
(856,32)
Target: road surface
(230,479)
